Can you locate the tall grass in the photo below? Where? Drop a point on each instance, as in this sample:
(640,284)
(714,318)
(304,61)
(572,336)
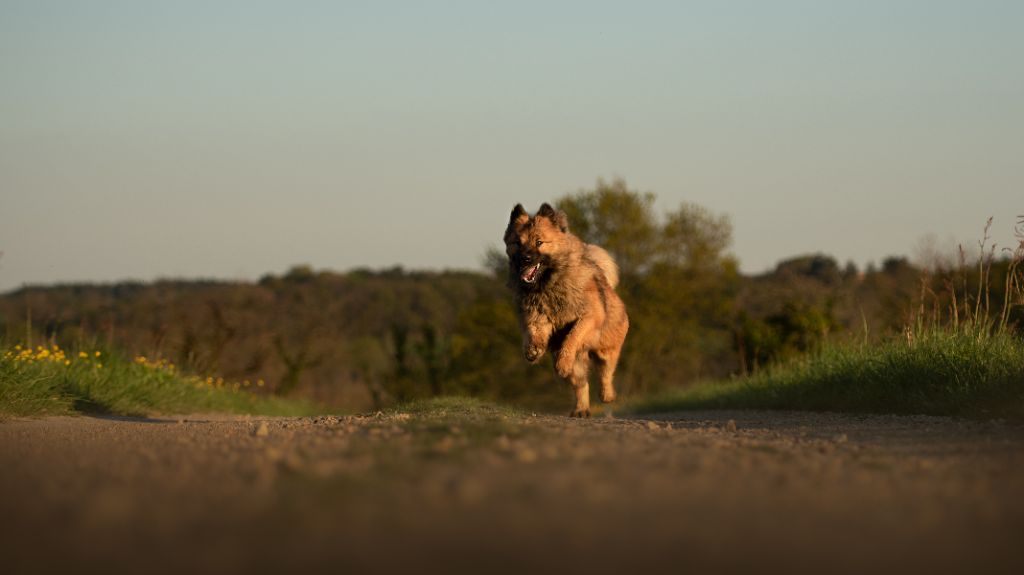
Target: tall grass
(961,354)
(940,373)
(50,381)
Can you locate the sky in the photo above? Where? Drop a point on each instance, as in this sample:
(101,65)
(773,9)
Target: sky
(216,139)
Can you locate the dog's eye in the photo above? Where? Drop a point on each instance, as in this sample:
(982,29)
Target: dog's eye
(539,243)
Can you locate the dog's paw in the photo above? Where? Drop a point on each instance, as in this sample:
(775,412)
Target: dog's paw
(580,413)
(607,396)
(563,367)
(533,353)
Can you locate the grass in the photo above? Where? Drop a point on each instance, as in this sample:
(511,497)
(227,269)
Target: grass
(49,381)
(457,405)
(477,421)
(962,357)
(938,372)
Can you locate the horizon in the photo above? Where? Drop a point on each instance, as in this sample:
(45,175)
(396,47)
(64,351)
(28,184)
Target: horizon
(142,140)
(480,269)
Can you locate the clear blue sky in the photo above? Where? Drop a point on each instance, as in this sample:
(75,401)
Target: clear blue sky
(231,139)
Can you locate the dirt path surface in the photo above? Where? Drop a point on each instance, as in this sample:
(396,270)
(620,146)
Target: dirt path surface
(485,490)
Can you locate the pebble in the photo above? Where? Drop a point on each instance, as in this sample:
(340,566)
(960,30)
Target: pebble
(730,425)
(262,430)
(526,455)
(444,445)
(274,454)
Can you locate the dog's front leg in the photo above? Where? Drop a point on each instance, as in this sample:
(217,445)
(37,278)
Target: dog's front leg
(537,332)
(566,360)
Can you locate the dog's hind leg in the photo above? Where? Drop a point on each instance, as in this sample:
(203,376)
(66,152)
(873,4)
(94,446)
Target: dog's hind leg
(609,348)
(606,362)
(580,386)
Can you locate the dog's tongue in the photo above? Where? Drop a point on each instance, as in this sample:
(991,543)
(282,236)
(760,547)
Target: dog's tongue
(531,274)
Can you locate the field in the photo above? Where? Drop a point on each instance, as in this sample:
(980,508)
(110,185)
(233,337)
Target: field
(463,486)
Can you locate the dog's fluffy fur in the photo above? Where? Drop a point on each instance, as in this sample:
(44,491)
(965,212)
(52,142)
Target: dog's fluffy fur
(565,291)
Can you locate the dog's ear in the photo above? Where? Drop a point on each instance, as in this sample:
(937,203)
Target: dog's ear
(557,217)
(518,214)
(518,217)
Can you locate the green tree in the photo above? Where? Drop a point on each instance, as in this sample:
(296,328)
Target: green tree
(618,219)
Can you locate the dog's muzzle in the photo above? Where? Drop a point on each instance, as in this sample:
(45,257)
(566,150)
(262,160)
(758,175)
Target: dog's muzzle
(529,275)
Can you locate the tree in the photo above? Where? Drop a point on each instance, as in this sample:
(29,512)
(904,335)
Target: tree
(617,219)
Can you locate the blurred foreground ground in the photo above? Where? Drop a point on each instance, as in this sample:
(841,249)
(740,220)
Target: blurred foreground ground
(486,490)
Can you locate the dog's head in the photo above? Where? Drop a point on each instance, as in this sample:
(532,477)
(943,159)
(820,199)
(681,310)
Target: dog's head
(535,244)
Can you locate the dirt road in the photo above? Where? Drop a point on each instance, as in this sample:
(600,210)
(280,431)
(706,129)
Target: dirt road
(490,491)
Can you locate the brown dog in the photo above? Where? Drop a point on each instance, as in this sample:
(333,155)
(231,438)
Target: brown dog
(565,291)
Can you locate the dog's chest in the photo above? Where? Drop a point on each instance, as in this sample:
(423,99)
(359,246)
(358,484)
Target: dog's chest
(560,306)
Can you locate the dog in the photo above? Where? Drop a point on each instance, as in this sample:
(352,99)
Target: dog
(566,300)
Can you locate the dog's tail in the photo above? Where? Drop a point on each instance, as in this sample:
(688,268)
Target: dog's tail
(603,260)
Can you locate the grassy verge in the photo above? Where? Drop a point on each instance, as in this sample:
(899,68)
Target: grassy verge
(939,372)
(48,381)
(456,424)
(456,406)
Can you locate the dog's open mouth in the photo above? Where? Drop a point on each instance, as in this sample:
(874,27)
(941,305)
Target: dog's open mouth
(530,274)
